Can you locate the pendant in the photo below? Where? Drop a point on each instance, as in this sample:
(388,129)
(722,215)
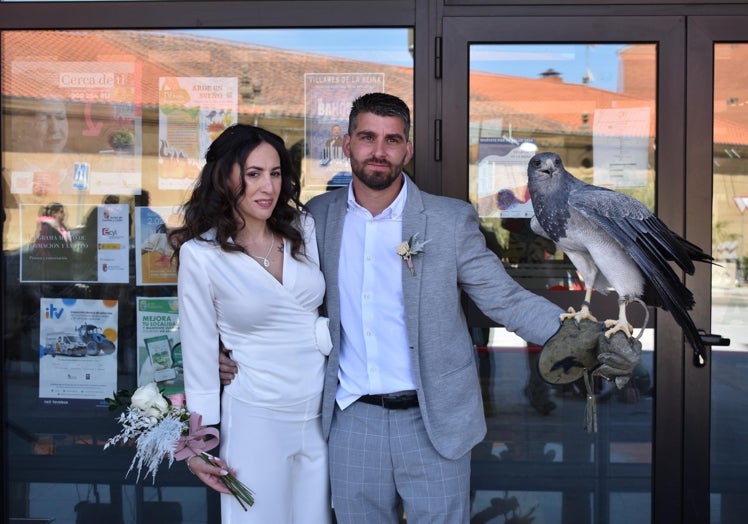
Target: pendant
(265,262)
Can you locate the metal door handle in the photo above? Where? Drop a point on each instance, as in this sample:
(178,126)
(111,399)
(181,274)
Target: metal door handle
(711,339)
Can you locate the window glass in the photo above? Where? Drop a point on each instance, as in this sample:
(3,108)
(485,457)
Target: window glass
(104,133)
(593,105)
(729,426)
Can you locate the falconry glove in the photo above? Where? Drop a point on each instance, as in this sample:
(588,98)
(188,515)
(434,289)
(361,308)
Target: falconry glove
(570,355)
(580,351)
(571,352)
(618,356)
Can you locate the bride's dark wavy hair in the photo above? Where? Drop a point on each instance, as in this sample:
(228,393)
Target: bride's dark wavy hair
(213,204)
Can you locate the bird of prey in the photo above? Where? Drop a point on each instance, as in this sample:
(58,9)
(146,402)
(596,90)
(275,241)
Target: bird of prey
(615,242)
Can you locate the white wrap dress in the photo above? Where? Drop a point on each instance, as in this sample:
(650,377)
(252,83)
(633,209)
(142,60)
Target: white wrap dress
(270,413)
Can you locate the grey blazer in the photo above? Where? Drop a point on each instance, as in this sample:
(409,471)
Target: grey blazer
(441,351)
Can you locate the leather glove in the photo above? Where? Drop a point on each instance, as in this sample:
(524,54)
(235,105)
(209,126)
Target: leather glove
(571,351)
(618,356)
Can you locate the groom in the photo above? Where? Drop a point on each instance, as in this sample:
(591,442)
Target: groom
(402,402)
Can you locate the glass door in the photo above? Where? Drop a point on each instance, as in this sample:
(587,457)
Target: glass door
(718,46)
(587,90)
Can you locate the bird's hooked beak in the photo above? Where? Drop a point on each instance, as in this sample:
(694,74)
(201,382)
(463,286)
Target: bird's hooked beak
(548,166)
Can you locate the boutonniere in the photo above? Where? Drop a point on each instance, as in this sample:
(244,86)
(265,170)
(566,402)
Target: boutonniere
(407,250)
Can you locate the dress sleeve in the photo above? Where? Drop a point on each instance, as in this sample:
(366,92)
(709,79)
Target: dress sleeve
(199,335)
(310,238)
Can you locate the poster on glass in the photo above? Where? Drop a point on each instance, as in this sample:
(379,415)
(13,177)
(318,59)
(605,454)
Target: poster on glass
(77,350)
(328,103)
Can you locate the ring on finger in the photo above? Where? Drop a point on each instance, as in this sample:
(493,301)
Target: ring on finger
(187,462)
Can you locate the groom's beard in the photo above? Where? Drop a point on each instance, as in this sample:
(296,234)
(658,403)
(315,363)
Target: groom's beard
(376,178)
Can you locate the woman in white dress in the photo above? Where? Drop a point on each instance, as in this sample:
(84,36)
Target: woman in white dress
(249,280)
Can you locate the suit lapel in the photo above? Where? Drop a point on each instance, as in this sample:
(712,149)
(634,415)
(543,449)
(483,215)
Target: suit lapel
(330,251)
(414,222)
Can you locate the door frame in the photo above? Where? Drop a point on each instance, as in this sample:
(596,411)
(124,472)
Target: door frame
(672,480)
(703,33)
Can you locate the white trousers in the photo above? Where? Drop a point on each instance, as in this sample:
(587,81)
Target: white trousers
(284,462)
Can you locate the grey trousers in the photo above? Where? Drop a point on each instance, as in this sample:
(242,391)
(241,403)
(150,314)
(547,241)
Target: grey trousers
(380,457)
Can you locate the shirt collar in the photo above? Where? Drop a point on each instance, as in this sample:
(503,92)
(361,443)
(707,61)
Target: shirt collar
(394,210)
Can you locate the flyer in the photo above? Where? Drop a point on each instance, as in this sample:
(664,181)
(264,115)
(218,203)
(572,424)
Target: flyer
(77,349)
(620,141)
(159,346)
(328,103)
(154,264)
(193,111)
(95,146)
(113,243)
(95,251)
(502,177)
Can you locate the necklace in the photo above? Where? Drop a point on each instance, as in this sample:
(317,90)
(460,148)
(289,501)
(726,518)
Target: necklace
(265,260)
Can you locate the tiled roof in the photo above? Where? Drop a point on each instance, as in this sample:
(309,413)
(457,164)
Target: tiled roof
(531,105)
(162,54)
(565,107)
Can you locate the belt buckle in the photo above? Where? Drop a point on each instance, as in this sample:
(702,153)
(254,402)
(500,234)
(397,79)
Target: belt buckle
(391,401)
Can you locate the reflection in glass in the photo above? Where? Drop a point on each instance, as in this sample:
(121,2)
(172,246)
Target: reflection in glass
(729,429)
(594,105)
(104,134)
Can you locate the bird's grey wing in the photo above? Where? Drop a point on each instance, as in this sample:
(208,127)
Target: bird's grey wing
(649,242)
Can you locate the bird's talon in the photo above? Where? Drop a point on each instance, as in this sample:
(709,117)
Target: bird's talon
(615,327)
(569,314)
(578,316)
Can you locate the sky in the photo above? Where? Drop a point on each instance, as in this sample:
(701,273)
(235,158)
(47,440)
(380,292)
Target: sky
(599,63)
(390,46)
(387,45)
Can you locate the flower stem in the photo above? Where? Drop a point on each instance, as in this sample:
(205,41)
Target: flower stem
(240,492)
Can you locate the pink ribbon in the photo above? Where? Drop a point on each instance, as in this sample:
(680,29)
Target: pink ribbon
(177,400)
(194,443)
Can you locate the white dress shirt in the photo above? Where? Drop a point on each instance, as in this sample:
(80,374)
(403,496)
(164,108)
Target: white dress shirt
(374,354)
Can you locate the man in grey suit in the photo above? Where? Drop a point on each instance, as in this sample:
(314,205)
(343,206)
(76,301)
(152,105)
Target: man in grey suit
(402,403)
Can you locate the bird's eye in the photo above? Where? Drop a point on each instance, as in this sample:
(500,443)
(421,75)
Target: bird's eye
(536,163)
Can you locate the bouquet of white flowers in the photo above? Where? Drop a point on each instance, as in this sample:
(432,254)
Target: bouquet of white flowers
(161,428)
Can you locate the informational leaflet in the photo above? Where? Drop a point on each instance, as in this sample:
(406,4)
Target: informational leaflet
(620,142)
(502,177)
(113,242)
(77,349)
(193,111)
(96,251)
(159,346)
(154,264)
(96,146)
(328,102)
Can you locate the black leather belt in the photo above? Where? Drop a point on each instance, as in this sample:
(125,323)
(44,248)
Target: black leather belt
(399,400)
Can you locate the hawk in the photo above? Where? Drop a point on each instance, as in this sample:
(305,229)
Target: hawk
(615,242)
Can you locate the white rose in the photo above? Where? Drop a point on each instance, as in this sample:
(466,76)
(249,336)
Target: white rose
(149,400)
(403,249)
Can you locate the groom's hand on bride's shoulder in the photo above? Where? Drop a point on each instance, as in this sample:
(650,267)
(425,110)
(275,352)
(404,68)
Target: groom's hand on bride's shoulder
(226,367)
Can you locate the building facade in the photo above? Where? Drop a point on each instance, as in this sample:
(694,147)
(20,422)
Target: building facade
(108,109)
